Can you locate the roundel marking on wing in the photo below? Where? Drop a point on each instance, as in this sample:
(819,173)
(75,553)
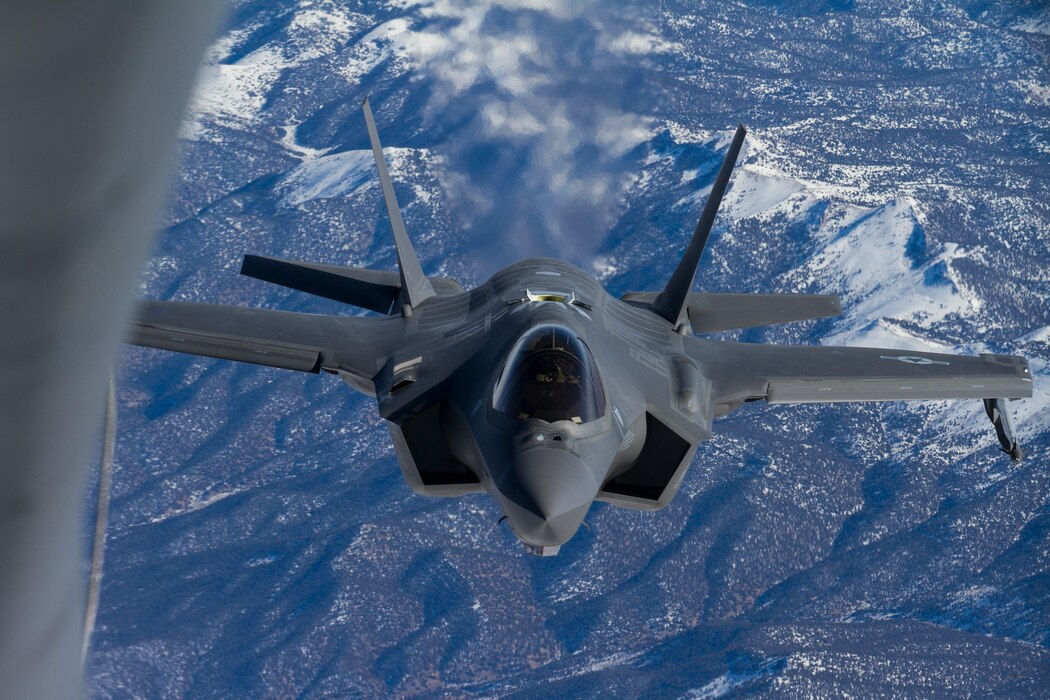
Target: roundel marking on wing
(914,360)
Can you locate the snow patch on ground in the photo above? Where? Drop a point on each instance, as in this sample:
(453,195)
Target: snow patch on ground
(757,191)
(231,91)
(1040,24)
(1041,335)
(341,174)
(881,265)
(373,50)
(317,32)
(237,90)
(730,681)
(1032,416)
(196,503)
(289,139)
(1036,93)
(335,175)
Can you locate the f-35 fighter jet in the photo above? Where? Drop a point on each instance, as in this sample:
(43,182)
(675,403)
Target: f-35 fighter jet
(544,391)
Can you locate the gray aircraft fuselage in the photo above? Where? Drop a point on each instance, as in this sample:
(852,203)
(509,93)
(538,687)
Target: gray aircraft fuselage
(544,472)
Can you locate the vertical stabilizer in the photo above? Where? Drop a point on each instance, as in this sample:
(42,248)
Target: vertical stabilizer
(415,287)
(671,301)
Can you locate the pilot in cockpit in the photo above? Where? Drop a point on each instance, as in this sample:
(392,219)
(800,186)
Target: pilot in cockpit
(550,375)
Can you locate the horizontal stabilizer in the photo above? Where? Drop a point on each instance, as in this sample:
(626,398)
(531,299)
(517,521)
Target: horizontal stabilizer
(712,313)
(376,290)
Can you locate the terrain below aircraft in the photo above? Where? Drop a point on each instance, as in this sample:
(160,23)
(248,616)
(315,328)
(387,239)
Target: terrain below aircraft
(544,391)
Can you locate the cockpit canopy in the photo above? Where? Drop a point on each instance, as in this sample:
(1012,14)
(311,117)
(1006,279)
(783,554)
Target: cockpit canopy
(550,375)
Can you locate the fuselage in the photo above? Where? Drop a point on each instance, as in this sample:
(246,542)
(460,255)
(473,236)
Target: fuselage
(590,375)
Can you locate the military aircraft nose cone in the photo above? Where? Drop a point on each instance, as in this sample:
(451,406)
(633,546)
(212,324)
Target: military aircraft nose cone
(554,490)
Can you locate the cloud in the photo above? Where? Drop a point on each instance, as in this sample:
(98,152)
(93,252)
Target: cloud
(637,43)
(539,162)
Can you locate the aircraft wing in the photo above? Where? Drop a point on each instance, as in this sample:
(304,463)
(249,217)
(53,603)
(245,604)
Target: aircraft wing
(817,374)
(303,342)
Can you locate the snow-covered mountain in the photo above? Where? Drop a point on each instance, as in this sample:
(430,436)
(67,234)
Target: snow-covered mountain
(262,541)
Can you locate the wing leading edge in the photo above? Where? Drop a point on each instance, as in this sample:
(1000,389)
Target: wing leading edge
(284,339)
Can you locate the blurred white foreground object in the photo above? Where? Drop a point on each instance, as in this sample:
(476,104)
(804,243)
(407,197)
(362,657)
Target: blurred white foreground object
(92,96)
